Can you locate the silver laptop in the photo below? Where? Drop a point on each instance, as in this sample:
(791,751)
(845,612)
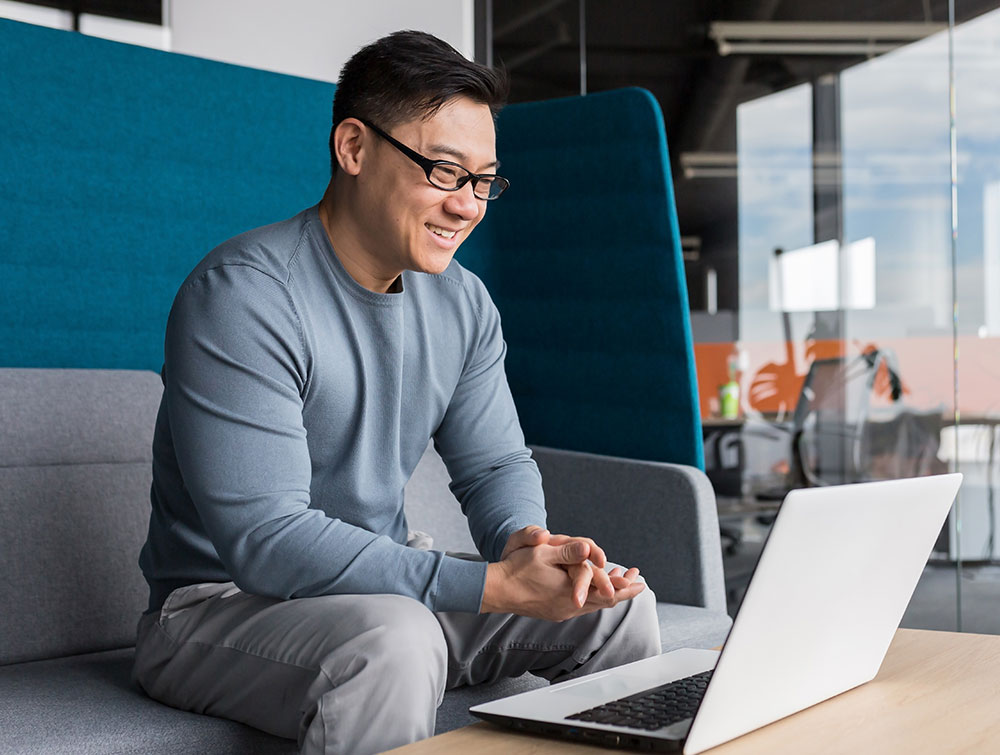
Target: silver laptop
(828,593)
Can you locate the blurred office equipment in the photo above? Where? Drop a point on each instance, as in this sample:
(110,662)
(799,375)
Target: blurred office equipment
(975,447)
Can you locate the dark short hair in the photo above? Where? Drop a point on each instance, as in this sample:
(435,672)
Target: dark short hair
(410,74)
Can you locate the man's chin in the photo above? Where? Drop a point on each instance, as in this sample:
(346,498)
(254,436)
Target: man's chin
(434,264)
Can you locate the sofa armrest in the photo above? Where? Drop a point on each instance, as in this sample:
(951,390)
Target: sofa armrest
(659,517)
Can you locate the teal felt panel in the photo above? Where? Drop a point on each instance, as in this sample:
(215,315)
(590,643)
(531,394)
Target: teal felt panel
(121,167)
(583,257)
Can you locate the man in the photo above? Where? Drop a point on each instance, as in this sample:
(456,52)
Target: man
(307,364)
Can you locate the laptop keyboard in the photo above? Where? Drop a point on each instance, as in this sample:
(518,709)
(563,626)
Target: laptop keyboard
(653,708)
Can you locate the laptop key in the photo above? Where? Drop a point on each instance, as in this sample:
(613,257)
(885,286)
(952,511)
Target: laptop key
(652,709)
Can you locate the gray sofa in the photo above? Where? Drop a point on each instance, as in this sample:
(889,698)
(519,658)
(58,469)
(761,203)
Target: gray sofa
(74,484)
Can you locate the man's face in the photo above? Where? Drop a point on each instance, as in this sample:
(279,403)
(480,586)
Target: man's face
(416,226)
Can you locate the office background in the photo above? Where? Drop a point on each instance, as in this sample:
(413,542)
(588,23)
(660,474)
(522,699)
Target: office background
(837,177)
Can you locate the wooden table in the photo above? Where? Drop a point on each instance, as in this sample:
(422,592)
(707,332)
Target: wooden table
(937,692)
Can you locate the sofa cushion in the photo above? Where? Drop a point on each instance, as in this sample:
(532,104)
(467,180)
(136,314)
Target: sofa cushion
(691,626)
(85,704)
(454,711)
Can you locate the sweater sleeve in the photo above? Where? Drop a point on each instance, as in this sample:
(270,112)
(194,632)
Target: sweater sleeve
(480,440)
(235,373)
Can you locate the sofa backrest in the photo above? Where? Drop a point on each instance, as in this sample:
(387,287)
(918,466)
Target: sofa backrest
(75,472)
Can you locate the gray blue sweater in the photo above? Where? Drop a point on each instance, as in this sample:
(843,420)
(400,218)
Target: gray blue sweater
(297,404)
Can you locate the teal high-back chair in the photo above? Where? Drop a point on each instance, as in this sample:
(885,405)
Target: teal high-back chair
(583,258)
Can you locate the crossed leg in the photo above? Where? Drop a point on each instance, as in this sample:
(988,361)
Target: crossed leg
(359,673)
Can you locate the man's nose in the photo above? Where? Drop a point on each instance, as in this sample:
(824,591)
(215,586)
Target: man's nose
(464,203)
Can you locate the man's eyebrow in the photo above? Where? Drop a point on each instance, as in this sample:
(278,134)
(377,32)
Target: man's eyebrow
(459,156)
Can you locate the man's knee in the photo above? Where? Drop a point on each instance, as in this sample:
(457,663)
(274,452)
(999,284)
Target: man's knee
(637,632)
(643,624)
(402,644)
(389,676)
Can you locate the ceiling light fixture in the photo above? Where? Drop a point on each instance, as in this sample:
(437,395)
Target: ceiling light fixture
(816,37)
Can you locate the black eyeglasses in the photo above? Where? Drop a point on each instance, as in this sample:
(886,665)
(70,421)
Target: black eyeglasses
(446,175)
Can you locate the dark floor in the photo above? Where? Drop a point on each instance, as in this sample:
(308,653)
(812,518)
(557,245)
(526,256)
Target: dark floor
(934,603)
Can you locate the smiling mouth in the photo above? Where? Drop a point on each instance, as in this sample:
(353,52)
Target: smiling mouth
(439,231)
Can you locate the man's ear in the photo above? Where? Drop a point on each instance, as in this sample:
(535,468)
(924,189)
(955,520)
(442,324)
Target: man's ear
(349,142)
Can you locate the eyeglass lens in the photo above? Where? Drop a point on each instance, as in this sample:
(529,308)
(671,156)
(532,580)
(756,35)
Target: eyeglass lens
(449,176)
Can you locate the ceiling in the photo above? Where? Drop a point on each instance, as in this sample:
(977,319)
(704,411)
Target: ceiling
(663,45)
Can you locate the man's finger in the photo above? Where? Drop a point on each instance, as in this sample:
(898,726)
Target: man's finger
(573,552)
(597,554)
(581,575)
(623,579)
(623,590)
(524,538)
(530,533)
(627,593)
(602,583)
(535,535)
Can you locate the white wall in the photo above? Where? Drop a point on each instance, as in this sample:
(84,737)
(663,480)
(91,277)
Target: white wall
(310,38)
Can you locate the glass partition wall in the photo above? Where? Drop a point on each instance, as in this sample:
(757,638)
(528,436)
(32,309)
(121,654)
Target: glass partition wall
(971,443)
(837,175)
(869,263)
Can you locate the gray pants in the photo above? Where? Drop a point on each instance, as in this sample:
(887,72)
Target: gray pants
(359,673)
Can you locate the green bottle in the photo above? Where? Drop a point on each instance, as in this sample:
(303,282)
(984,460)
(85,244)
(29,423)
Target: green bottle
(729,400)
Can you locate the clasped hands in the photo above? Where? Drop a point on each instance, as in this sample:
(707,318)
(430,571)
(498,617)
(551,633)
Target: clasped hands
(554,577)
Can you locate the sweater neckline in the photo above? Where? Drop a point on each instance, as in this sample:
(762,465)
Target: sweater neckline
(315,226)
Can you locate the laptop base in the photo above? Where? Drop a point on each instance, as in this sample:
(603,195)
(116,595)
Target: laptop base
(624,740)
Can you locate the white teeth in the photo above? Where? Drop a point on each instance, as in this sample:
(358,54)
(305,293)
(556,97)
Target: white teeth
(441,231)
